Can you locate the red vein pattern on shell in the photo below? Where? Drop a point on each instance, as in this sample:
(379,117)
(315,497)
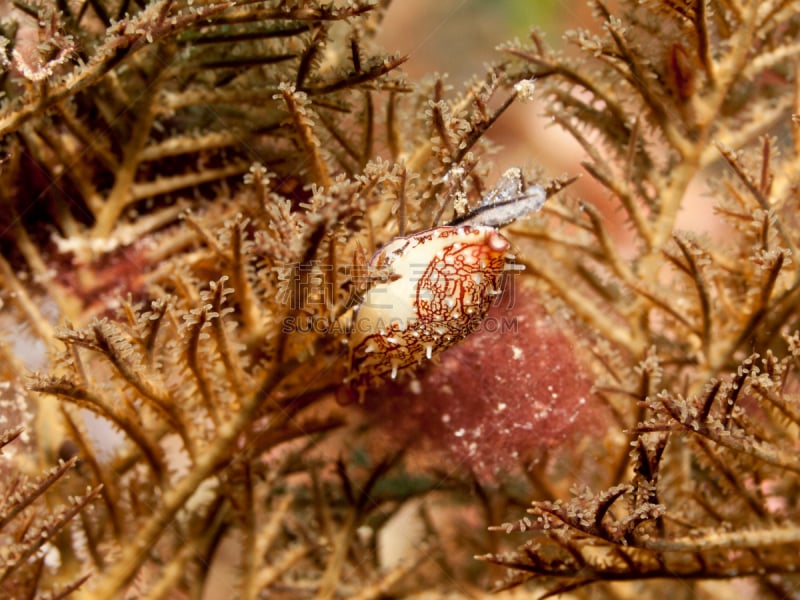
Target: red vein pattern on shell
(443,281)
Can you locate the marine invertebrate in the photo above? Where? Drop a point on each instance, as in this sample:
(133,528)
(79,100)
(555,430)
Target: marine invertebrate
(221,162)
(243,153)
(694,328)
(439,285)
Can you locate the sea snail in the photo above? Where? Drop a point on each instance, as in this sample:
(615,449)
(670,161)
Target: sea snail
(441,284)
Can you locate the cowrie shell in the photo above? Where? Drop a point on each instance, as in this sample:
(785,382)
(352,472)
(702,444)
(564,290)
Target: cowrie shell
(443,282)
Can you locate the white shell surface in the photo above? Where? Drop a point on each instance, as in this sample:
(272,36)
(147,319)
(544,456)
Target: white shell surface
(442,282)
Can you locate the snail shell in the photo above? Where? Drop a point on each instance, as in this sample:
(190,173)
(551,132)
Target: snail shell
(442,282)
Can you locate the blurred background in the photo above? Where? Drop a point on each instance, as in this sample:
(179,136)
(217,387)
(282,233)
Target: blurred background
(458,36)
